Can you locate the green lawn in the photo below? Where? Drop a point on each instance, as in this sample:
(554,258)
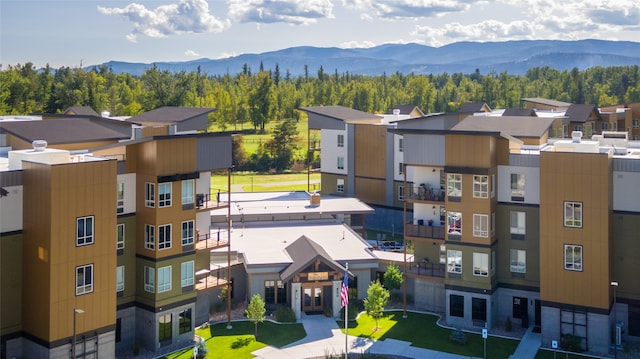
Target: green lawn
(262,182)
(239,341)
(421,330)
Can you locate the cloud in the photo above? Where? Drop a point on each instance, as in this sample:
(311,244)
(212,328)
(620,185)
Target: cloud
(408,9)
(356,44)
(191,53)
(296,12)
(185,17)
(488,30)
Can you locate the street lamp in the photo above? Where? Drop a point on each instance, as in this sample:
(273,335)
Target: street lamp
(76,311)
(615,321)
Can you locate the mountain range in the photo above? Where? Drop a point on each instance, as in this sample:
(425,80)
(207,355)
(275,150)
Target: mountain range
(515,57)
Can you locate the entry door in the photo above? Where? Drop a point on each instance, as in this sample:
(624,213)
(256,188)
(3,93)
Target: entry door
(312,299)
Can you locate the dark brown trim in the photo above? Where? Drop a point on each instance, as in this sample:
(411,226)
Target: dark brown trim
(11,233)
(178,177)
(166,307)
(577,308)
(162,259)
(526,288)
(470,290)
(68,340)
(467,170)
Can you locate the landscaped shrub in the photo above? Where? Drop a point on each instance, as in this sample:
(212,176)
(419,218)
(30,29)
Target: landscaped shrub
(285,315)
(459,337)
(353,312)
(571,343)
(202,350)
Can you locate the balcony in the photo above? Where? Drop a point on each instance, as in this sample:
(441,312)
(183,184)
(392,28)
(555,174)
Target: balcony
(215,239)
(210,278)
(425,268)
(426,193)
(209,201)
(422,231)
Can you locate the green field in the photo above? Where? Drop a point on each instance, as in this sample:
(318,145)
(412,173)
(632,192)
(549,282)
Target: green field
(265,182)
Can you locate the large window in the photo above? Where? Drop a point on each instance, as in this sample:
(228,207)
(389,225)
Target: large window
(454,185)
(150,194)
(479,310)
(454,261)
(187,191)
(340,163)
(517,187)
(84,231)
(340,185)
(573,257)
(281,293)
(164,236)
(518,261)
(454,223)
(340,140)
(84,279)
(573,214)
(480,225)
(164,279)
(269,291)
(480,264)
(120,196)
(480,186)
(149,237)
(456,305)
(187,233)
(184,325)
(119,278)
(518,222)
(164,194)
(120,236)
(186,274)
(149,279)
(164,328)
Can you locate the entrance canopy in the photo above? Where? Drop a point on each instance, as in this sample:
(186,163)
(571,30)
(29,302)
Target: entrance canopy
(304,252)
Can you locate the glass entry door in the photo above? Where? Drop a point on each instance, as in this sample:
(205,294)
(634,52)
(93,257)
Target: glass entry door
(312,299)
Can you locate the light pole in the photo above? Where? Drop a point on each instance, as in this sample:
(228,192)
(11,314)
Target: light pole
(76,311)
(615,321)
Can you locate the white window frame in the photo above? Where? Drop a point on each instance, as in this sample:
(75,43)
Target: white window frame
(454,261)
(340,185)
(518,222)
(149,194)
(400,193)
(480,225)
(85,230)
(188,187)
(573,263)
(164,236)
(454,185)
(149,279)
(451,218)
(84,281)
(149,237)
(120,195)
(164,279)
(120,232)
(164,194)
(120,279)
(573,214)
(340,140)
(635,123)
(400,144)
(340,163)
(186,273)
(400,168)
(518,186)
(480,264)
(480,186)
(188,231)
(518,260)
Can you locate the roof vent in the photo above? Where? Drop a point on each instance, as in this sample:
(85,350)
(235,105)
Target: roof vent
(396,111)
(105,113)
(576,136)
(39,145)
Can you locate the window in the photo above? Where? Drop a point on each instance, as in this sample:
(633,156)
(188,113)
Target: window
(149,279)
(518,222)
(120,236)
(84,230)
(164,194)
(517,187)
(340,163)
(150,194)
(480,186)
(187,233)
(164,328)
(400,168)
(605,126)
(454,222)
(119,278)
(84,279)
(281,293)
(635,123)
(269,291)
(400,193)
(164,236)
(454,184)
(184,325)
(187,191)
(479,310)
(481,264)
(480,225)
(443,254)
(340,185)
(164,279)
(340,140)
(518,261)
(149,237)
(120,196)
(454,261)
(493,224)
(401,144)
(573,257)
(493,186)
(573,214)
(456,305)
(186,274)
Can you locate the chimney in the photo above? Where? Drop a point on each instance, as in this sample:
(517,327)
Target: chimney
(39,145)
(315,199)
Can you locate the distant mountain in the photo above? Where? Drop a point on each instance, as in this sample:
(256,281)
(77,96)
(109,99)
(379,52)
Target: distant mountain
(515,57)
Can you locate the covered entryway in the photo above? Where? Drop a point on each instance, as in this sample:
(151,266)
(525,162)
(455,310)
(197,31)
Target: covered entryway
(312,299)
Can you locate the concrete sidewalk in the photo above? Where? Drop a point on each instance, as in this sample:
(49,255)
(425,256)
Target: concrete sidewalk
(529,345)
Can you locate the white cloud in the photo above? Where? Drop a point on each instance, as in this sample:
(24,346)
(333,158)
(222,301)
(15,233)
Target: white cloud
(356,44)
(191,53)
(408,9)
(185,17)
(489,30)
(296,12)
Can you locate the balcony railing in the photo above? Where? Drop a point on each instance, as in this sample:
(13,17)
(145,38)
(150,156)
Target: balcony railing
(425,192)
(207,201)
(215,239)
(425,231)
(426,268)
(207,279)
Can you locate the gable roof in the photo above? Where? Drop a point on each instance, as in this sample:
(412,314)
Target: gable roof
(519,112)
(342,113)
(471,107)
(578,112)
(61,131)
(80,110)
(546,102)
(407,109)
(516,126)
(303,251)
(169,115)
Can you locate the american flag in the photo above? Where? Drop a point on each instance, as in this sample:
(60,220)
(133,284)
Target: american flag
(344,292)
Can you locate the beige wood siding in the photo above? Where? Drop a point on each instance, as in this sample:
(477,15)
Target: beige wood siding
(370,151)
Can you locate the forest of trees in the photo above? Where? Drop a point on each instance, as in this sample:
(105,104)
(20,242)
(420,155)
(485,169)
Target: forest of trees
(250,98)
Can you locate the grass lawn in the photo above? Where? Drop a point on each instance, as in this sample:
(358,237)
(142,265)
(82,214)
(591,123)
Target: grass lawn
(423,332)
(262,182)
(239,342)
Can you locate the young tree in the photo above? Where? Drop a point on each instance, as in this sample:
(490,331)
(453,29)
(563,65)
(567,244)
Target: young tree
(392,277)
(377,298)
(256,311)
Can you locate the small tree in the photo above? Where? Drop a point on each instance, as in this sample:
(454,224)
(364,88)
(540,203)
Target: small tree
(256,311)
(392,277)
(377,298)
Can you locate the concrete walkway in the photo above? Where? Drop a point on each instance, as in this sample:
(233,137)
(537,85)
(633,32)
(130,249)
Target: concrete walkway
(324,338)
(529,345)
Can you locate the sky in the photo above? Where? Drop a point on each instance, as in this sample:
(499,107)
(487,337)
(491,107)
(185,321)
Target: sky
(89,32)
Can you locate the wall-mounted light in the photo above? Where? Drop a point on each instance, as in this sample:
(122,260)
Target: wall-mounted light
(433,170)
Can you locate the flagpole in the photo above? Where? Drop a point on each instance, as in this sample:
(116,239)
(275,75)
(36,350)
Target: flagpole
(346,325)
